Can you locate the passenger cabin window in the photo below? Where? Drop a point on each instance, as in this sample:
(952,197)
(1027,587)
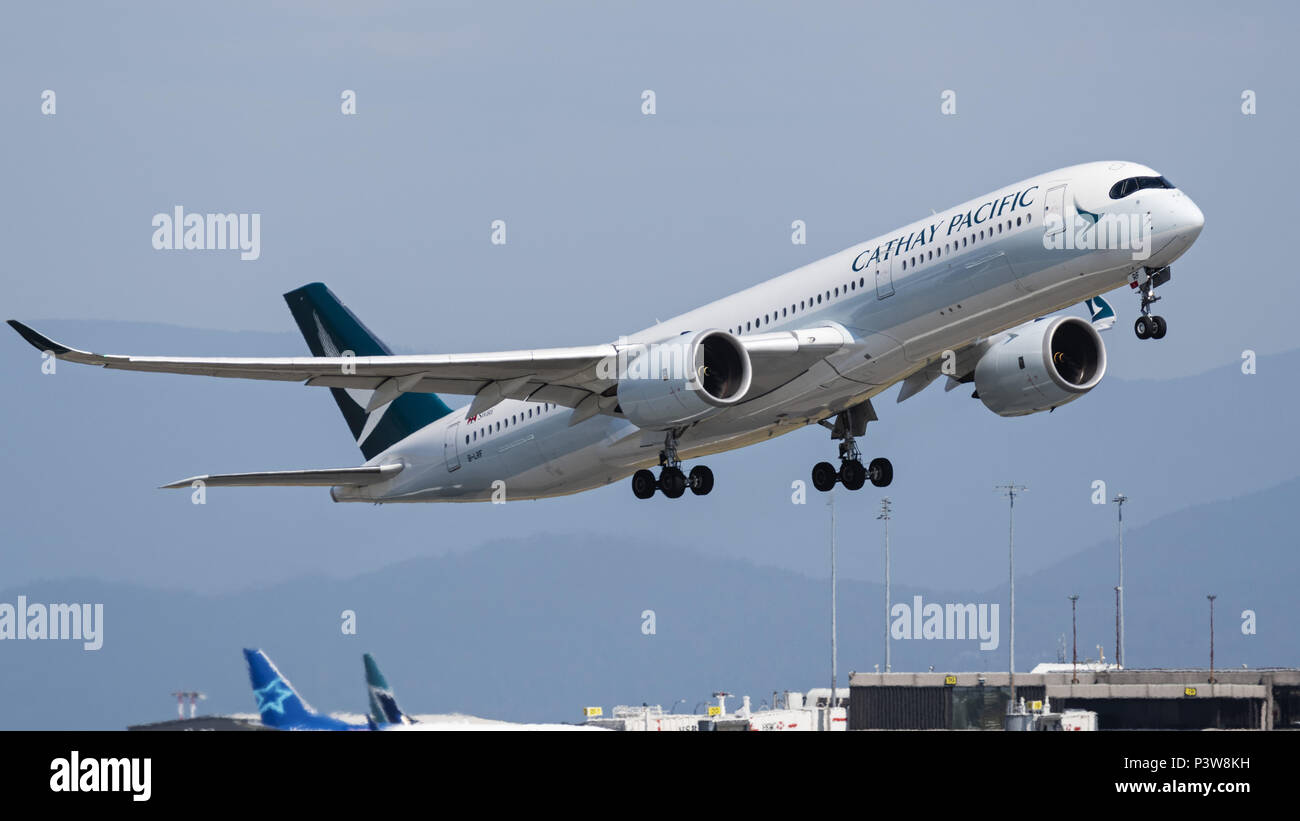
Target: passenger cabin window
(1132,185)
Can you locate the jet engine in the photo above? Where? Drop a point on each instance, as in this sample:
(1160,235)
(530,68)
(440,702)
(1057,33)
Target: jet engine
(1040,366)
(666,384)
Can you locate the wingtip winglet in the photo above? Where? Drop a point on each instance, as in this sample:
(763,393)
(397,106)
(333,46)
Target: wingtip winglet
(38,340)
(183,483)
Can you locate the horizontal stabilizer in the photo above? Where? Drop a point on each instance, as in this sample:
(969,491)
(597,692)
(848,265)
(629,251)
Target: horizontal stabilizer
(359,476)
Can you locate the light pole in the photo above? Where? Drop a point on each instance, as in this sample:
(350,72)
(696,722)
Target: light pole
(1118,605)
(1211,597)
(885,512)
(1074,629)
(1011,490)
(834,649)
(1119,501)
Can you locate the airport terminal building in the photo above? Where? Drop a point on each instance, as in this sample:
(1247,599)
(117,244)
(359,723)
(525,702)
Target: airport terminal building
(1264,699)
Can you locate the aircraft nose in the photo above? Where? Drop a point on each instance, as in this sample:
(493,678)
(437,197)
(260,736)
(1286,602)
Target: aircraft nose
(1190,219)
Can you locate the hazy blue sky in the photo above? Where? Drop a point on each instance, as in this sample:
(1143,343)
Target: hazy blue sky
(531,113)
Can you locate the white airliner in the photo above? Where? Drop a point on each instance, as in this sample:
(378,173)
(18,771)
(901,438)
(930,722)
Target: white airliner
(958,294)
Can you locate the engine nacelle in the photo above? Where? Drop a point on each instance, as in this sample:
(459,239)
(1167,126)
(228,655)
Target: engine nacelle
(666,384)
(1042,366)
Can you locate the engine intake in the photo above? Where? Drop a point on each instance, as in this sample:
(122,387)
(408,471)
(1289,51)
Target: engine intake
(665,384)
(1041,366)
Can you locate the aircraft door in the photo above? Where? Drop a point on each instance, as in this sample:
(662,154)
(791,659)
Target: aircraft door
(451,447)
(1054,211)
(885,277)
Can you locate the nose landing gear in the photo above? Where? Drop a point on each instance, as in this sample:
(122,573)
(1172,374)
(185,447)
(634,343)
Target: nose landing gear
(1148,326)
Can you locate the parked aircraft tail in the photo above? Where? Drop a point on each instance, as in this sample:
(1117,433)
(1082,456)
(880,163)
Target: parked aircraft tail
(383,704)
(280,705)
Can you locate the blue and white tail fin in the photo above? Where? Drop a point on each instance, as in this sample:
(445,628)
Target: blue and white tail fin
(279,704)
(1103,316)
(383,704)
(332,330)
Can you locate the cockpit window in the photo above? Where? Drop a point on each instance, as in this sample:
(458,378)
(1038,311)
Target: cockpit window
(1123,188)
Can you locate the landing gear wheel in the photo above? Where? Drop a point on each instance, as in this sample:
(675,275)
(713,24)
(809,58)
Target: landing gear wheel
(1148,326)
(881,472)
(643,484)
(1143,326)
(700,481)
(824,476)
(853,475)
(672,482)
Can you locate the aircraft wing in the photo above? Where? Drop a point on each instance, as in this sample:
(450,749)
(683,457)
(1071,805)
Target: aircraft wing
(571,377)
(368,475)
(959,368)
(564,376)
(778,357)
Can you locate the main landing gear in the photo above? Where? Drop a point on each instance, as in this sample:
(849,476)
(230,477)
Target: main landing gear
(672,480)
(1148,326)
(852,474)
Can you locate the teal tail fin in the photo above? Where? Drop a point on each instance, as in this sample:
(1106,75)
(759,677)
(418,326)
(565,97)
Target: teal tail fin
(332,330)
(383,704)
